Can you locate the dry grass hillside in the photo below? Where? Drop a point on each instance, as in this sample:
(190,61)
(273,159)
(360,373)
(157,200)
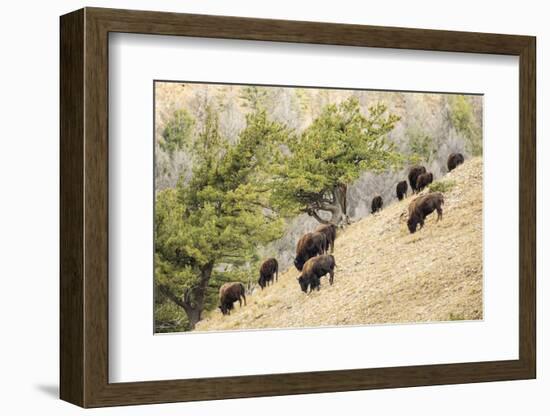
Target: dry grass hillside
(384,274)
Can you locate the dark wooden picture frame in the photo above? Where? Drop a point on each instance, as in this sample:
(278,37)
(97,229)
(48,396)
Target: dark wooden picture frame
(84,207)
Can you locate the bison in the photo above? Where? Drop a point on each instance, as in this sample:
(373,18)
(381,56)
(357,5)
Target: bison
(310,245)
(229,294)
(401,190)
(454,160)
(269,272)
(424,180)
(314,269)
(329,230)
(376,204)
(423,206)
(414,173)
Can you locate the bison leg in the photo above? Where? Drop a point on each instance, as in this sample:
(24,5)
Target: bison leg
(331,278)
(439,213)
(421,223)
(244,298)
(318,283)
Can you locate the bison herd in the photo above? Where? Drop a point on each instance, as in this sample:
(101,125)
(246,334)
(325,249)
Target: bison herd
(313,260)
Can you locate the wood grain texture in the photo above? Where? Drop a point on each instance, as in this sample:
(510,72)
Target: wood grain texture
(71,203)
(84,207)
(528,207)
(96,207)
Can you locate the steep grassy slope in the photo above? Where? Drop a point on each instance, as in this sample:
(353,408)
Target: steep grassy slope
(384,274)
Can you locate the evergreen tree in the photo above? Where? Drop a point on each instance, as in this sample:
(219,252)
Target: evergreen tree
(207,228)
(463,120)
(313,176)
(255,98)
(177,132)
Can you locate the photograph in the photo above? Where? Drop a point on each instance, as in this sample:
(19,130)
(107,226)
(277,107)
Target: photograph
(299,207)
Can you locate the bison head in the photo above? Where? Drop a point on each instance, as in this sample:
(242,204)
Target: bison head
(412,223)
(311,282)
(226,307)
(299,264)
(304,283)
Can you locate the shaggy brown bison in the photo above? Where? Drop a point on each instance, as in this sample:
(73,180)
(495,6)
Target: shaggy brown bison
(401,190)
(423,206)
(310,245)
(424,180)
(454,160)
(414,173)
(329,230)
(269,272)
(230,293)
(314,269)
(376,204)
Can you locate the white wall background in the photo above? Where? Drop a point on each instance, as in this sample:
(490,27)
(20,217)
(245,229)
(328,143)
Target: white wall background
(29,159)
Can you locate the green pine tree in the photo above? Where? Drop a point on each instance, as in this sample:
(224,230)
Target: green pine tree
(207,229)
(177,132)
(339,145)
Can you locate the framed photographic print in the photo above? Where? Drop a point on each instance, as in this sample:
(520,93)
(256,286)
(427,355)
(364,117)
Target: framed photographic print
(256,207)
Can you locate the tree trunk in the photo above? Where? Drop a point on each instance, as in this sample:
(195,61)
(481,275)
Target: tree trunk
(193,316)
(337,207)
(195,302)
(341,197)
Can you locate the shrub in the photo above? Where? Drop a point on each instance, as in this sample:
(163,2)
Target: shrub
(442,186)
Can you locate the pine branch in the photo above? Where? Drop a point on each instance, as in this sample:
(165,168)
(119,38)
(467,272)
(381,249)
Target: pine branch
(313,213)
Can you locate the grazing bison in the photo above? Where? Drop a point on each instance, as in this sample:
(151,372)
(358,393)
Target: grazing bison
(376,204)
(424,180)
(230,293)
(310,245)
(329,230)
(401,190)
(314,269)
(423,206)
(414,173)
(454,160)
(269,272)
